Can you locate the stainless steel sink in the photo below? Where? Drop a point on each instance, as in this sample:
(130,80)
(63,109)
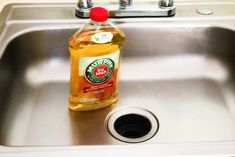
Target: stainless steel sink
(181,69)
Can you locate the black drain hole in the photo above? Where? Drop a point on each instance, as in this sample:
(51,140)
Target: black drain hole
(132,126)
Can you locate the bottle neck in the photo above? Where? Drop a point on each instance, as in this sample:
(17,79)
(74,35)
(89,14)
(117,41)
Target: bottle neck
(94,23)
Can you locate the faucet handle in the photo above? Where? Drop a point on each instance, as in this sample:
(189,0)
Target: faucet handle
(166,3)
(83,8)
(85,4)
(123,4)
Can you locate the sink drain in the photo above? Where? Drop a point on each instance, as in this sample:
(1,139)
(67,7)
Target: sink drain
(132,124)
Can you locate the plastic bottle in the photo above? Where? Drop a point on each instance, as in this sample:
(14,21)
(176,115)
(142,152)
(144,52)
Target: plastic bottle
(95,52)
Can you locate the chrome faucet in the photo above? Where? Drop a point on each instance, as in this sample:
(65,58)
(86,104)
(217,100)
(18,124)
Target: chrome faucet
(166,3)
(165,8)
(128,3)
(83,8)
(124,4)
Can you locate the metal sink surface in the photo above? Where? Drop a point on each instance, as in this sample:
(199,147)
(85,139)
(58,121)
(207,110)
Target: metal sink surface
(181,68)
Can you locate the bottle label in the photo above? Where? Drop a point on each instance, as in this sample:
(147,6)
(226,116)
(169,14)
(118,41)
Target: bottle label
(98,77)
(100,70)
(102,37)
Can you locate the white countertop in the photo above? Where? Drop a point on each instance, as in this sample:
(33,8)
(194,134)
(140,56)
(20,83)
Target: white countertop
(5,2)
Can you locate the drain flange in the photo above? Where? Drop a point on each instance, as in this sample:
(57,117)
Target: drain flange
(132,124)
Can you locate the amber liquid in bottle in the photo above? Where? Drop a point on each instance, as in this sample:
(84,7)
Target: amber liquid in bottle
(80,46)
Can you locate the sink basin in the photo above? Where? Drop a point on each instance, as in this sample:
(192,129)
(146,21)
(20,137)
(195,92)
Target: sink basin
(180,69)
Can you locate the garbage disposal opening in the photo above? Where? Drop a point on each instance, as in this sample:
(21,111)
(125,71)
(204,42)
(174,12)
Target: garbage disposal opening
(132,124)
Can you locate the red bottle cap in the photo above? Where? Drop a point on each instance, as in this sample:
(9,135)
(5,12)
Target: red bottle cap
(99,14)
